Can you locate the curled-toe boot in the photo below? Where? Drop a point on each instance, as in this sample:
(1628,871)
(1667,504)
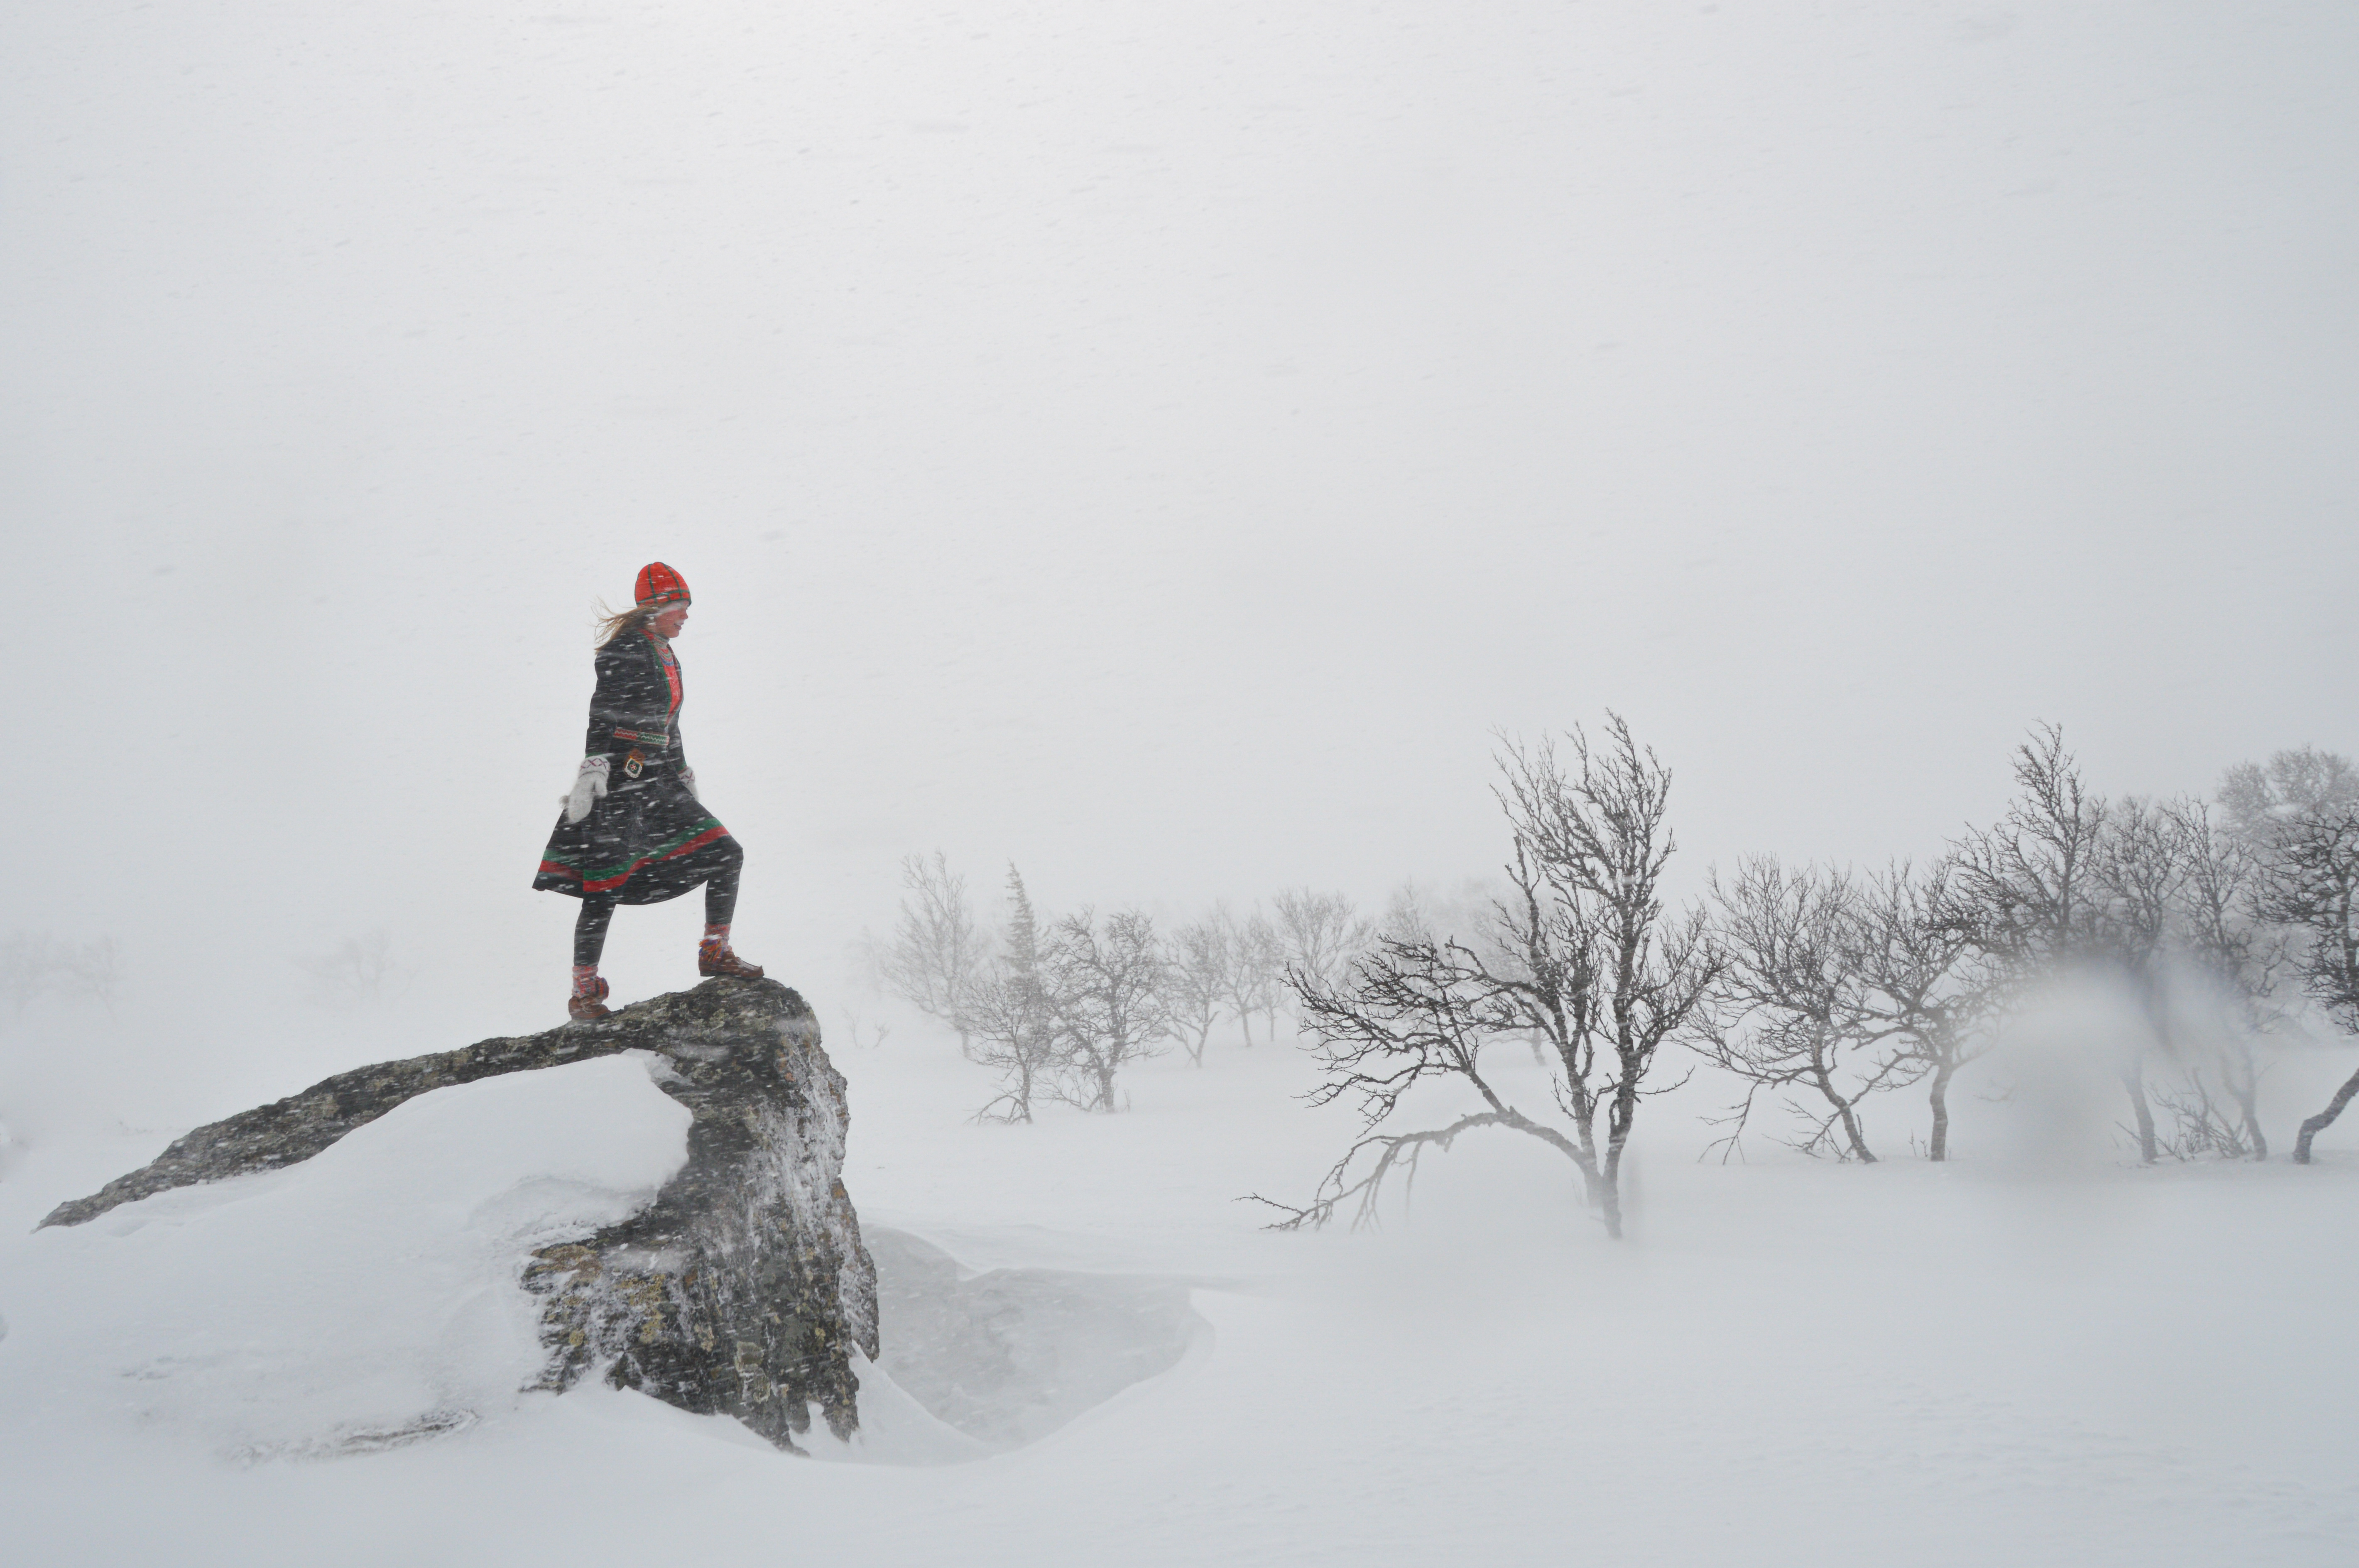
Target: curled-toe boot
(585,1006)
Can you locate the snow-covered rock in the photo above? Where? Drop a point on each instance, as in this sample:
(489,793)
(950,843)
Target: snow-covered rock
(739,1286)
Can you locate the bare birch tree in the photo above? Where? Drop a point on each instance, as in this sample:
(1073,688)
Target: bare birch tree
(2140,874)
(1414,913)
(1600,971)
(2234,958)
(1011,1025)
(1317,933)
(1922,984)
(2046,890)
(1255,974)
(1105,992)
(1196,967)
(2293,785)
(2025,888)
(2295,814)
(1415,910)
(1790,1014)
(2150,895)
(935,954)
(2312,889)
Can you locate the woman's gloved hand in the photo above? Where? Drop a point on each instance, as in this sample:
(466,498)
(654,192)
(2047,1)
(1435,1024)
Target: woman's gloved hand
(688,783)
(589,785)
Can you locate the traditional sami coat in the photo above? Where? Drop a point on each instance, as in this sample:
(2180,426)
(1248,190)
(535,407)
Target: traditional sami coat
(647,839)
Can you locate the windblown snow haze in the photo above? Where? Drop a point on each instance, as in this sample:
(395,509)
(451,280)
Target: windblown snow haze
(1153,479)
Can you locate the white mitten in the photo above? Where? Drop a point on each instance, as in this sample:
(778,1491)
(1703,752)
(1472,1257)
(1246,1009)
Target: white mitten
(589,785)
(688,783)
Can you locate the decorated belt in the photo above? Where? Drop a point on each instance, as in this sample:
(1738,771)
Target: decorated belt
(643,741)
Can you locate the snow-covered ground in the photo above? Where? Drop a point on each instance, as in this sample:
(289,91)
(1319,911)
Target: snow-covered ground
(1163,446)
(2009,1359)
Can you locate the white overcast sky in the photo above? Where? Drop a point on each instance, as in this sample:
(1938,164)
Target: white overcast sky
(1159,443)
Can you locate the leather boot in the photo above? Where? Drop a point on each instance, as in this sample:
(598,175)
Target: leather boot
(726,963)
(581,1009)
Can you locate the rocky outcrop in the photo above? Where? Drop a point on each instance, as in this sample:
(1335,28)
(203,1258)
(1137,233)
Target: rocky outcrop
(741,1289)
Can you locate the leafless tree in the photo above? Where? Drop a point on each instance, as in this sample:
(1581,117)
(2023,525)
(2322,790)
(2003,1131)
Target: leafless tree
(2140,875)
(1789,1011)
(2293,785)
(866,1039)
(1599,969)
(1196,964)
(1319,934)
(2049,890)
(1922,984)
(1011,1027)
(2293,816)
(1411,915)
(1105,993)
(2154,896)
(935,954)
(2025,888)
(2207,1117)
(1414,913)
(2179,925)
(2311,888)
(2233,959)
(1008,1032)
(1257,968)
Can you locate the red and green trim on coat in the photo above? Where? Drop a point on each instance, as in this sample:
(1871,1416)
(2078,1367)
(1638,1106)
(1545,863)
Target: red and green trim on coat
(649,839)
(610,879)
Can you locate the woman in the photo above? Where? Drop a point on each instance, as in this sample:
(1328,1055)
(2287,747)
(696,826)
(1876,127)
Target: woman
(634,831)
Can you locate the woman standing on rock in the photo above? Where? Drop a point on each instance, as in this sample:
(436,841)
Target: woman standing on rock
(634,830)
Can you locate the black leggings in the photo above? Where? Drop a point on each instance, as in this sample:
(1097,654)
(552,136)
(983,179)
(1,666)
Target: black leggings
(598,909)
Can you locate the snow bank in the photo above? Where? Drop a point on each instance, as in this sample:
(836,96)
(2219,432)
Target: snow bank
(364,1298)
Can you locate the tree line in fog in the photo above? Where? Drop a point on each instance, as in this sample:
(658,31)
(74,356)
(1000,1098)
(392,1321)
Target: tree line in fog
(1816,990)
(1057,1005)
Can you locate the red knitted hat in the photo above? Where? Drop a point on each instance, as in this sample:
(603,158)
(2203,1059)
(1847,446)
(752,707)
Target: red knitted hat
(658,584)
